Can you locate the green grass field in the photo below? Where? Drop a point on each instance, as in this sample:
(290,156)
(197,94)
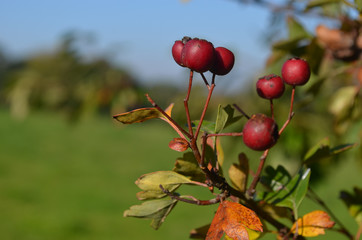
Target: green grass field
(61,181)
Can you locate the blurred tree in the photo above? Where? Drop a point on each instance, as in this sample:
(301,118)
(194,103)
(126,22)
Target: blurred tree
(66,81)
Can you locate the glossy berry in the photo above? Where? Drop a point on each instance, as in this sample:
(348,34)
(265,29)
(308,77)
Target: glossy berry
(296,72)
(270,86)
(176,51)
(224,61)
(260,132)
(198,55)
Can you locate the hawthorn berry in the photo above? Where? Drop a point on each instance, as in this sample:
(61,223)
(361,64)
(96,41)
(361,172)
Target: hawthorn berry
(260,132)
(224,61)
(176,51)
(270,86)
(295,71)
(198,55)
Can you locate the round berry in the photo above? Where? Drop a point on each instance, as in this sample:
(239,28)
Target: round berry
(260,132)
(270,86)
(296,71)
(176,51)
(198,55)
(224,61)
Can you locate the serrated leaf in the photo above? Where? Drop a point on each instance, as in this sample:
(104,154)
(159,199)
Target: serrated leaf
(168,179)
(239,173)
(290,194)
(233,219)
(312,224)
(188,166)
(157,210)
(178,144)
(275,179)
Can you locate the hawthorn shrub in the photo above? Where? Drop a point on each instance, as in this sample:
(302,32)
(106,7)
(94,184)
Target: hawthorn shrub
(244,210)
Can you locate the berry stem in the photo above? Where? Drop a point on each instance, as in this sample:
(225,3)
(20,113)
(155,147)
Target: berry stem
(211,89)
(256,178)
(241,111)
(205,80)
(291,113)
(186,103)
(193,200)
(172,122)
(272,108)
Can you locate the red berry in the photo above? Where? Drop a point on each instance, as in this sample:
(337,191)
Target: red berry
(296,71)
(198,55)
(224,61)
(270,86)
(176,51)
(260,132)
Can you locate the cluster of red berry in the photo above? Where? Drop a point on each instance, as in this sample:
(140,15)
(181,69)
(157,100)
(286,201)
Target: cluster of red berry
(261,132)
(200,56)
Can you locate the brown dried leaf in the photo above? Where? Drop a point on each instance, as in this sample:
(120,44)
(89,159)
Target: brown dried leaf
(313,224)
(179,144)
(232,219)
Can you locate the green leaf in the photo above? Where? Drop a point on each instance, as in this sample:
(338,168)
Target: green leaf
(353,202)
(358,4)
(206,126)
(323,150)
(296,29)
(188,166)
(225,117)
(168,179)
(320,150)
(138,115)
(157,210)
(290,194)
(343,101)
(320,3)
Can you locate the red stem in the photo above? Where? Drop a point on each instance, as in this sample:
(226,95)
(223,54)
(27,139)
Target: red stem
(167,116)
(255,181)
(204,110)
(291,113)
(186,104)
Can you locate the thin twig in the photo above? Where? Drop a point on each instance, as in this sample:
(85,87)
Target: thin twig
(291,113)
(193,200)
(204,110)
(186,104)
(256,178)
(176,126)
(241,111)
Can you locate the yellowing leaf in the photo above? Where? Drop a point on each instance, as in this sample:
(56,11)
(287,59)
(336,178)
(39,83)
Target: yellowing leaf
(238,173)
(152,181)
(233,219)
(313,224)
(137,115)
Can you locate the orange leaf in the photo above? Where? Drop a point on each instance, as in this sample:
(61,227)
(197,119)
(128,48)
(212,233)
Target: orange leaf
(313,224)
(179,144)
(232,219)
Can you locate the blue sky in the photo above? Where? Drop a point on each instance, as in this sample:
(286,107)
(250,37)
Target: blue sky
(139,34)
